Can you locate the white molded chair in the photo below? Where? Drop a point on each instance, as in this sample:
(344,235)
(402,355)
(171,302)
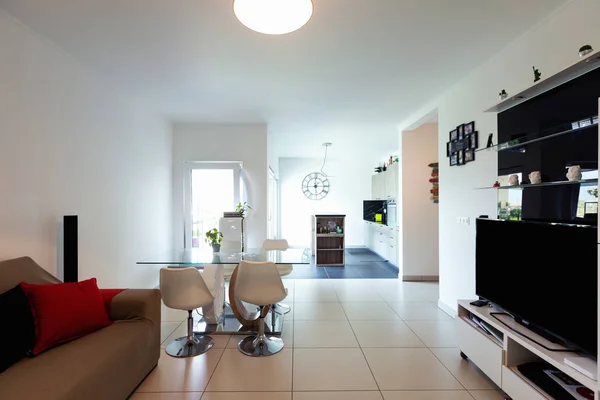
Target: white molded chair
(284,269)
(185,289)
(259,283)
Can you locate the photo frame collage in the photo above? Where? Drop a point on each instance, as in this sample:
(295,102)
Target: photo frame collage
(463,142)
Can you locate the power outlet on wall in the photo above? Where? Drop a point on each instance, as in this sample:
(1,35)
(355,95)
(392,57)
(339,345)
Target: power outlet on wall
(463,220)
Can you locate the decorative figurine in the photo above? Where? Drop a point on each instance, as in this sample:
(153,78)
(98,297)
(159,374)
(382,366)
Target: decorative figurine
(513,180)
(503,95)
(490,142)
(496,184)
(585,50)
(574,173)
(535,177)
(537,75)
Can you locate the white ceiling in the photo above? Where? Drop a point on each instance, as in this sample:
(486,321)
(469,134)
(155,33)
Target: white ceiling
(357,63)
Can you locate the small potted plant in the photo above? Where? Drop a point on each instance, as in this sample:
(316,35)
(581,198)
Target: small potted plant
(242,208)
(214,238)
(584,50)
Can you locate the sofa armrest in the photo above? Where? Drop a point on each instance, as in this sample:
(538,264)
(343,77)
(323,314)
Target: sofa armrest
(136,304)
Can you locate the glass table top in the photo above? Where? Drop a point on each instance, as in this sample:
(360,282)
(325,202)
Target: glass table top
(197,256)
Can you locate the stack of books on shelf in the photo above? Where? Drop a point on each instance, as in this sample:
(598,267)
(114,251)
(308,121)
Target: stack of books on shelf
(231,214)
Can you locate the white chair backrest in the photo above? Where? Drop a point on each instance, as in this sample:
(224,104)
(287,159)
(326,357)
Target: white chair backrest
(184,288)
(259,283)
(275,244)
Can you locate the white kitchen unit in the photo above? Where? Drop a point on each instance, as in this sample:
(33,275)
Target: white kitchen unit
(384,185)
(383,240)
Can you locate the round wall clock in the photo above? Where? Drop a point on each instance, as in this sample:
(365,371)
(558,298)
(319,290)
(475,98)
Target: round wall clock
(315,186)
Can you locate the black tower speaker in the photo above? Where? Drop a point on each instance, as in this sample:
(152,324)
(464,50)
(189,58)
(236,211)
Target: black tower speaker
(71,258)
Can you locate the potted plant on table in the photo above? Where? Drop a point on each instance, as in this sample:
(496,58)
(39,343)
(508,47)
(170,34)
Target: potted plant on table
(214,238)
(242,209)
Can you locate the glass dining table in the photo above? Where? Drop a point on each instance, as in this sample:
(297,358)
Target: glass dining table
(237,316)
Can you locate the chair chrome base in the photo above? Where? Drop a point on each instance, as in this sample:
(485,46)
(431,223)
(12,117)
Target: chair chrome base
(253,347)
(281,308)
(184,347)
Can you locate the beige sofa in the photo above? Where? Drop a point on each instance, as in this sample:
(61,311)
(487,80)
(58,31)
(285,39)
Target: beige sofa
(105,365)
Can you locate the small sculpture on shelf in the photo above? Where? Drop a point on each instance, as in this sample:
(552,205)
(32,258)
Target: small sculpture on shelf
(503,95)
(537,75)
(574,173)
(496,184)
(513,180)
(585,50)
(535,177)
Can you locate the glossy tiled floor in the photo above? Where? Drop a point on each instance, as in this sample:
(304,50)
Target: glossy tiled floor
(361,263)
(345,339)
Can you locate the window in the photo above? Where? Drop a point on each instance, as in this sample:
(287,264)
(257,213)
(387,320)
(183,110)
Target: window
(209,190)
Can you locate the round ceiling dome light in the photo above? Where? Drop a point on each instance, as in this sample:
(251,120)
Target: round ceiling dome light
(273,17)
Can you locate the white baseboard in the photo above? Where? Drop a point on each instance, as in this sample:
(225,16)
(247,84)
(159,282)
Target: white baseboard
(447,309)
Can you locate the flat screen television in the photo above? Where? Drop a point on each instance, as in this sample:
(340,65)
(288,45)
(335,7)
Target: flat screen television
(372,207)
(545,275)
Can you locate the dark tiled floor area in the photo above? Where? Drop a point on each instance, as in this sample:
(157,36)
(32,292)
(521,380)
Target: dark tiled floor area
(360,264)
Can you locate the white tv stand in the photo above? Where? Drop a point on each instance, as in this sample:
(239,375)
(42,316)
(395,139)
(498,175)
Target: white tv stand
(499,359)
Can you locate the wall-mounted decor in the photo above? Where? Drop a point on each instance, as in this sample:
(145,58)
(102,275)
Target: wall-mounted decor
(585,50)
(435,182)
(537,75)
(462,145)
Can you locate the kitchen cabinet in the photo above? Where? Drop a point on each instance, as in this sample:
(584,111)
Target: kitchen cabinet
(382,240)
(384,185)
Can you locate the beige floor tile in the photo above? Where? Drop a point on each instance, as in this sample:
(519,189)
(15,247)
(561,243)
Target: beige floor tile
(322,295)
(463,370)
(417,311)
(385,334)
(287,336)
(487,394)
(181,374)
(166,329)
(357,296)
(240,373)
(220,340)
(428,395)
(167,396)
(331,369)
(307,284)
(316,334)
(369,312)
(435,333)
(409,369)
(247,396)
(319,312)
(402,295)
(357,395)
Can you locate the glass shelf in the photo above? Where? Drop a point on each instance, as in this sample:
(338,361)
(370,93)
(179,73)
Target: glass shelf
(583,182)
(561,130)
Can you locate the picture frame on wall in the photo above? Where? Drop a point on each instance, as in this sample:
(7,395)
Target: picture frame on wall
(470,128)
(469,155)
(448,149)
(461,157)
(453,135)
(461,131)
(473,140)
(454,159)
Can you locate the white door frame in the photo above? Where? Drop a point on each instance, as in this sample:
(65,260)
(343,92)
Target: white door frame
(188,167)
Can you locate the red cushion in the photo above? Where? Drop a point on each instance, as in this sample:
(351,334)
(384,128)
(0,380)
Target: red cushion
(107,296)
(65,311)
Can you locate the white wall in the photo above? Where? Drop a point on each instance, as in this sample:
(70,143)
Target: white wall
(419,215)
(350,185)
(209,142)
(551,47)
(70,144)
